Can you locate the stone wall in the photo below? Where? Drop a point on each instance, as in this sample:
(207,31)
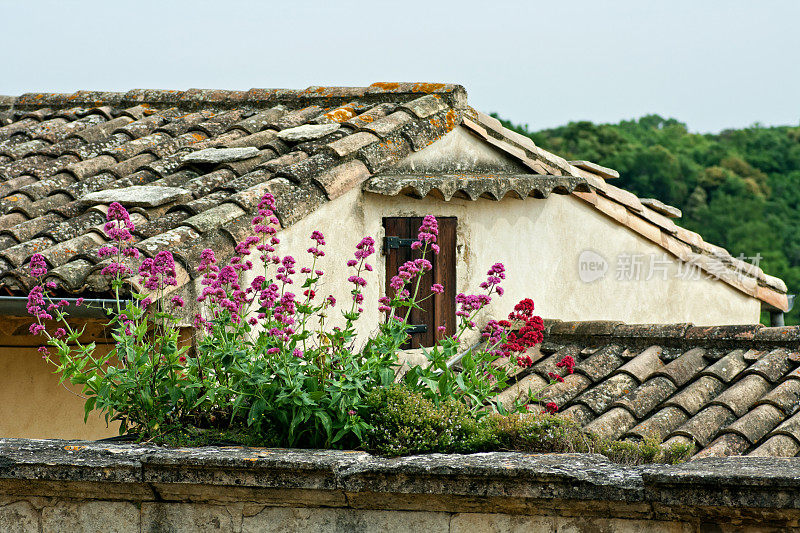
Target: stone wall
(83,486)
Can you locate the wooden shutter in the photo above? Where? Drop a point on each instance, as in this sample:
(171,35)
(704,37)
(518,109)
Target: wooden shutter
(440,309)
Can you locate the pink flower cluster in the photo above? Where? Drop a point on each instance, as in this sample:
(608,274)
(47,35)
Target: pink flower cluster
(158,272)
(222,285)
(319,238)
(37,304)
(364,249)
(496,274)
(38,266)
(426,238)
(427,235)
(118,227)
(469,304)
(222,289)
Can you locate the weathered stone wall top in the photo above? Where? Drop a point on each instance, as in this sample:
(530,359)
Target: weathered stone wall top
(489,482)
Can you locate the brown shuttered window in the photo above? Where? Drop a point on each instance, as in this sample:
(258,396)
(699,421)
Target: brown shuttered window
(440,309)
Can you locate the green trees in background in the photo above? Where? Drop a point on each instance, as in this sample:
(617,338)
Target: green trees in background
(739,189)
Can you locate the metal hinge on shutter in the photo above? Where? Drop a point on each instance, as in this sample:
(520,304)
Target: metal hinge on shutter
(393,243)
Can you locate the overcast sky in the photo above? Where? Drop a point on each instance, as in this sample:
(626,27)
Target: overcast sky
(711,64)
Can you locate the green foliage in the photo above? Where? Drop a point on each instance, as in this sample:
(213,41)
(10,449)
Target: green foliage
(474,384)
(268,367)
(738,188)
(406,423)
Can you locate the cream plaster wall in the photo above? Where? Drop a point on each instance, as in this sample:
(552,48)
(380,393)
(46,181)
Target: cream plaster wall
(34,405)
(539,241)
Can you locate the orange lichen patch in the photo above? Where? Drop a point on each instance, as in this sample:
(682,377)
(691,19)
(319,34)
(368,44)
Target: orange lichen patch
(327,92)
(450,119)
(260,94)
(427,87)
(386,86)
(366,118)
(342,114)
(198,136)
(74,448)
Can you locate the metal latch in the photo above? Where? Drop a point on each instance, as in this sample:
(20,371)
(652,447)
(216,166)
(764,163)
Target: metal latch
(418,328)
(393,243)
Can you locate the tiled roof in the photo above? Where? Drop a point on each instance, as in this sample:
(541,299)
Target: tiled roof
(730,390)
(59,152)
(306,147)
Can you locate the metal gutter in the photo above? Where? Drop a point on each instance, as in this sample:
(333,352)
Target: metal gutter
(16,306)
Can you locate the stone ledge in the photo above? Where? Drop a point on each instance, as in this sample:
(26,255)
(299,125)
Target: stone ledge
(502,481)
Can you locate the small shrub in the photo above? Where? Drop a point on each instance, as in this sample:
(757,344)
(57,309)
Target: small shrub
(406,423)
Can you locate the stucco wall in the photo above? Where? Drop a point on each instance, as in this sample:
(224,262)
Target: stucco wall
(32,402)
(540,242)
(34,405)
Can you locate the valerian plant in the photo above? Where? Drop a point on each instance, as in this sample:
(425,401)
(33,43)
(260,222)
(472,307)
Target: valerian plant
(270,362)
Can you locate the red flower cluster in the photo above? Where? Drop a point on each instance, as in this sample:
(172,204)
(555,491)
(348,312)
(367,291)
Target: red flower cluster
(530,334)
(567,362)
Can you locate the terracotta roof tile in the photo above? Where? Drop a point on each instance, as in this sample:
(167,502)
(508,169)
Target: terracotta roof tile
(771,366)
(728,367)
(743,394)
(520,389)
(645,364)
(785,396)
(604,394)
(578,413)
(789,427)
(727,444)
(703,426)
(601,364)
(684,368)
(660,424)
(723,388)
(757,423)
(563,392)
(697,394)
(777,446)
(613,423)
(643,399)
